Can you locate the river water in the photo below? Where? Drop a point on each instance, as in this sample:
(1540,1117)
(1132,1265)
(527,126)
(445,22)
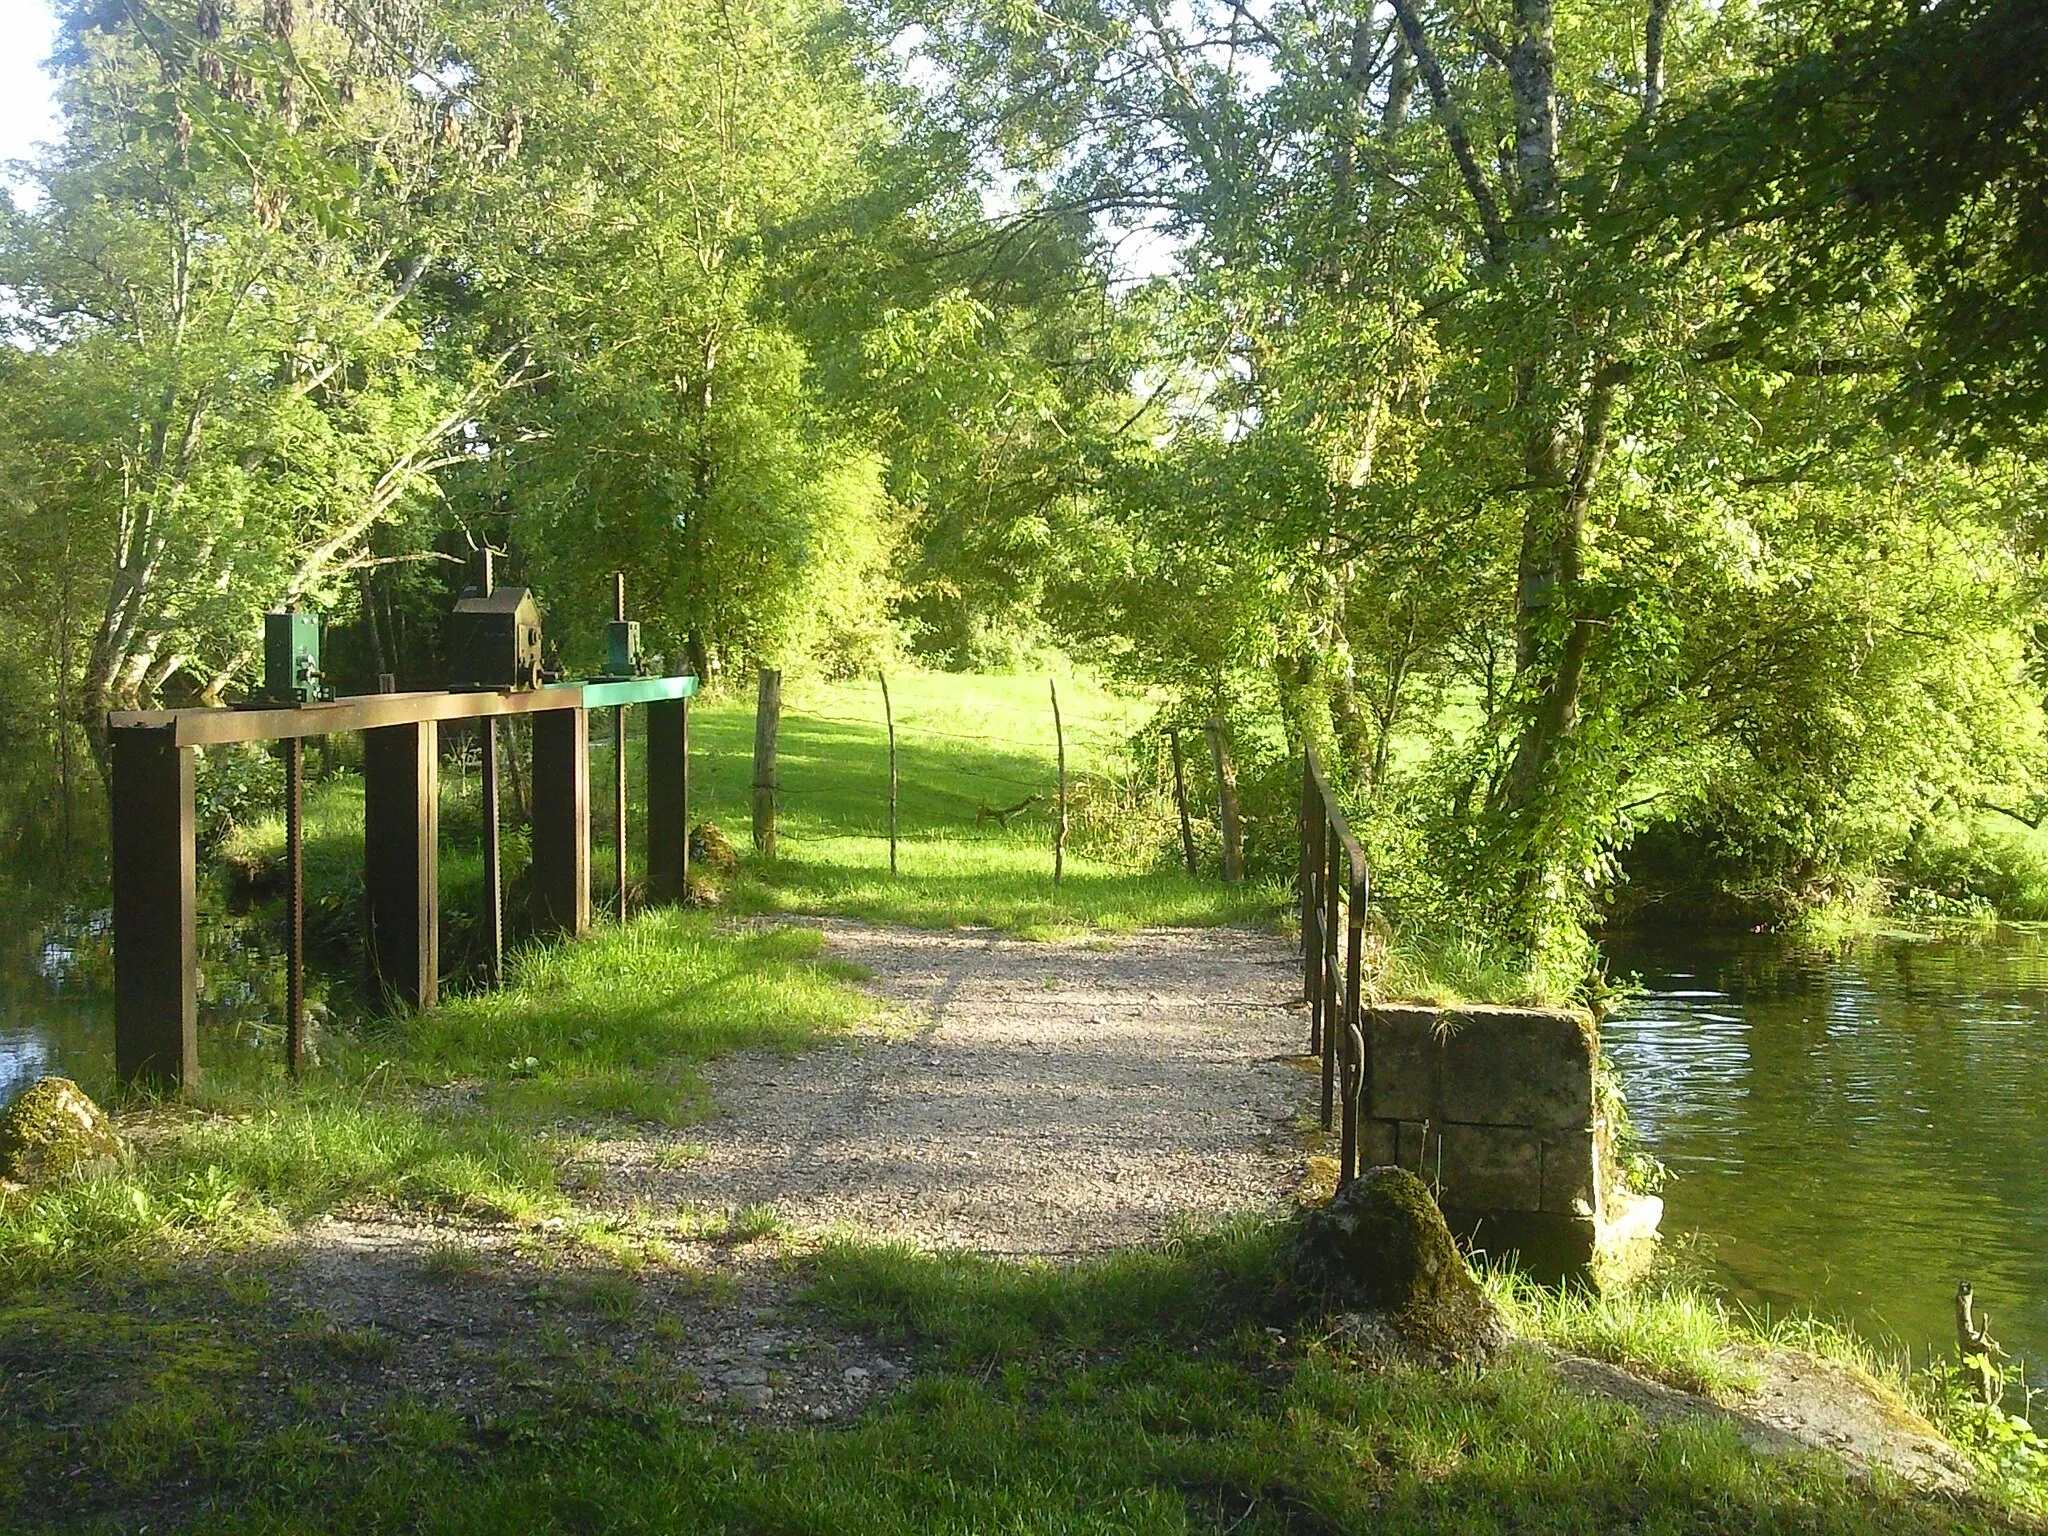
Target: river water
(1852,1133)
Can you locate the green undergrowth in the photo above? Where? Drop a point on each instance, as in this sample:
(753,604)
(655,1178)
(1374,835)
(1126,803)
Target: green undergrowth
(1147,1392)
(466,1108)
(970,750)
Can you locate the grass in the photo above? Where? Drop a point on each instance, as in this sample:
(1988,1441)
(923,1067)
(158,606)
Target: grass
(1155,1391)
(967,747)
(460,1109)
(151,1373)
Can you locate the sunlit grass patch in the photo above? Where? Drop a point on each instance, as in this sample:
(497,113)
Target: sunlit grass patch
(1676,1334)
(607,1028)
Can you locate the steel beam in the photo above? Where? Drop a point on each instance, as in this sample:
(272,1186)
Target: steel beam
(402,861)
(561,822)
(668,801)
(156,907)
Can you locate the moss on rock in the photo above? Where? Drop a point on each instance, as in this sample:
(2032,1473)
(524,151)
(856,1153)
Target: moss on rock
(712,849)
(1381,1245)
(52,1131)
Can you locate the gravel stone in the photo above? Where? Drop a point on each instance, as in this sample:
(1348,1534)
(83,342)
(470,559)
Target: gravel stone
(1152,1084)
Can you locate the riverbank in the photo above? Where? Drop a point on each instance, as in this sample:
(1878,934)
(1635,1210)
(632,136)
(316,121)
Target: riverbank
(510,1252)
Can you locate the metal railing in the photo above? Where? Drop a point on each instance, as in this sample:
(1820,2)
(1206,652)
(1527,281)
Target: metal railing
(1334,874)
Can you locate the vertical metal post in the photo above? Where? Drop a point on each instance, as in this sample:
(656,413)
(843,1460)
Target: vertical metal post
(1180,800)
(1309,808)
(156,906)
(889,718)
(619,803)
(561,821)
(295,905)
(402,860)
(668,801)
(1059,837)
(619,761)
(1354,1034)
(1332,988)
(767,722)
(494,867)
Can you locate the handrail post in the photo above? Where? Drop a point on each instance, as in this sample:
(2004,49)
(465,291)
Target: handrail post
(1354,1031)
(1301,832)
(1332,983)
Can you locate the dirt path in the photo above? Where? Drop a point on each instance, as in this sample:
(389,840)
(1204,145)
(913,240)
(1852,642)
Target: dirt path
(1016,1098)
(1033,1098)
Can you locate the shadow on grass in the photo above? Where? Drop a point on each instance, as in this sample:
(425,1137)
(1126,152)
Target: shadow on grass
(1145,1392)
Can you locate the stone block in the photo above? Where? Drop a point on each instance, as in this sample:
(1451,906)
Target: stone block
(1402,1049)
(1379,1142)
(1571,1175)
(1491,1168)
(1518,1066)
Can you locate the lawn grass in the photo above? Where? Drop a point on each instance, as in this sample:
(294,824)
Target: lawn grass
(612,1028)
(967,747)
(1147,1392)
(145,1380)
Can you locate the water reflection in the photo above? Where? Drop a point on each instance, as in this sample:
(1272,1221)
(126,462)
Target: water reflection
(1853,1133)
(56,995)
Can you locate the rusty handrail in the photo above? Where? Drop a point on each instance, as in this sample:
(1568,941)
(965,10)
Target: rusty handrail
(1333,868)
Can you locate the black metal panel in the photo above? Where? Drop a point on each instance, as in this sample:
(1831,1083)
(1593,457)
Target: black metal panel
(493,640)
(668,800)
(156,937)
(401,861)
(561,822)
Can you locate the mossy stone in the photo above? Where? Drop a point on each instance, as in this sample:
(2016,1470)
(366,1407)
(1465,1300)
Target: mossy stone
(52,1131)
(1382,1245)
(711,848)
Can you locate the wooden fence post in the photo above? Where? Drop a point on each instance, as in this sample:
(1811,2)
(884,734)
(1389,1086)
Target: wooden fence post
(1180,800)
(1059,836)
(889,715)
(767,721)
(1226,803)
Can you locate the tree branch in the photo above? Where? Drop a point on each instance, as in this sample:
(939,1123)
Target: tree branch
(1454,129)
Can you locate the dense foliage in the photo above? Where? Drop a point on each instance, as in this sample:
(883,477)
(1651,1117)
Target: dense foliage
(1569,420)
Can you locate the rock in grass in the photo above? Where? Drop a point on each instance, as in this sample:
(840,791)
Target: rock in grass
(1381,1247)
(712,850)
(54,1131)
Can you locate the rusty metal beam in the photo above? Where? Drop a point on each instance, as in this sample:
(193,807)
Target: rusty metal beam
(402,860)
(156,905)
(561,822)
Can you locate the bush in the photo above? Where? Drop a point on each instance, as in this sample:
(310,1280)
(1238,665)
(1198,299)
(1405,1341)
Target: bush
(1964,866)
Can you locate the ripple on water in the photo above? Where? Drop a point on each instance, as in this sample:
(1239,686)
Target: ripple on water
(1852,1133)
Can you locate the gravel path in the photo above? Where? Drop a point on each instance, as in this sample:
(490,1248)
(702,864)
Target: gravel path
(1033,1098)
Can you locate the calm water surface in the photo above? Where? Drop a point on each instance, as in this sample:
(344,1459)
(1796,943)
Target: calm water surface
(1852,1134)
(56,996)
